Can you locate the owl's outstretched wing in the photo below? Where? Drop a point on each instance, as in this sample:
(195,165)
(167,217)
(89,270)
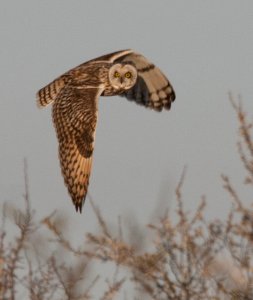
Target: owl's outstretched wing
(75,118)
(152,88)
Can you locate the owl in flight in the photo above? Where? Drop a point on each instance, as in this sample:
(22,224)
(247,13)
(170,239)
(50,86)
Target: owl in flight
(74,96)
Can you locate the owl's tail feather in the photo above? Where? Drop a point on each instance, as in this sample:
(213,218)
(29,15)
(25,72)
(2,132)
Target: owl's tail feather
(48,94)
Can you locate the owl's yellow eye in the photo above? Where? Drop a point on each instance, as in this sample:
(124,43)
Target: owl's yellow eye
(116,74)
(128,75)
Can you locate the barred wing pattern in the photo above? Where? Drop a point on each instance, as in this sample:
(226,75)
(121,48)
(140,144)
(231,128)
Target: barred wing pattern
(152,88)
(75,118)
(48,94)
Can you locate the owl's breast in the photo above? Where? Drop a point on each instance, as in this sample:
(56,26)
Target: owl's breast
(111,91)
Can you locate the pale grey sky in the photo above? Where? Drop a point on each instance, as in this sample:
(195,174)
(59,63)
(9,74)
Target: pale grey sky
(205,48)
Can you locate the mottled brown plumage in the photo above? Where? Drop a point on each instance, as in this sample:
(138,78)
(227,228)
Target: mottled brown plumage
(75,103)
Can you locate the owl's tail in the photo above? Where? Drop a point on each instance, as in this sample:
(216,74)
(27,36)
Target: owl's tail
(48,94)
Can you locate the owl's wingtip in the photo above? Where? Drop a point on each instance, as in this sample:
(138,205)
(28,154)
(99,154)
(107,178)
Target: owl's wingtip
(78,207)
(38,101)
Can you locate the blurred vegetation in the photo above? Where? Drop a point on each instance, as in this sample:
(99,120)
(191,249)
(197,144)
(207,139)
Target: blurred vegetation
(190,257)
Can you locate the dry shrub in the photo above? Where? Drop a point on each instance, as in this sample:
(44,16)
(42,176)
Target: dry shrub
(190,257)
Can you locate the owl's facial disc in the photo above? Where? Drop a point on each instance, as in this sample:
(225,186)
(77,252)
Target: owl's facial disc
(122,76)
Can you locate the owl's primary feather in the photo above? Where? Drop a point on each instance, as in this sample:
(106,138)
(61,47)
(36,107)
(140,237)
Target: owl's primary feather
(74,96)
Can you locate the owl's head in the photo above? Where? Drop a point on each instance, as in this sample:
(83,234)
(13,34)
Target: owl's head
(122,76)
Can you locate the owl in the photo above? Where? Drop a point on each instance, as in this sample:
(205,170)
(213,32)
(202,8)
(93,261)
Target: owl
(74,97)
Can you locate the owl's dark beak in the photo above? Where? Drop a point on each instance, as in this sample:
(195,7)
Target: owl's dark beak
(121,80)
